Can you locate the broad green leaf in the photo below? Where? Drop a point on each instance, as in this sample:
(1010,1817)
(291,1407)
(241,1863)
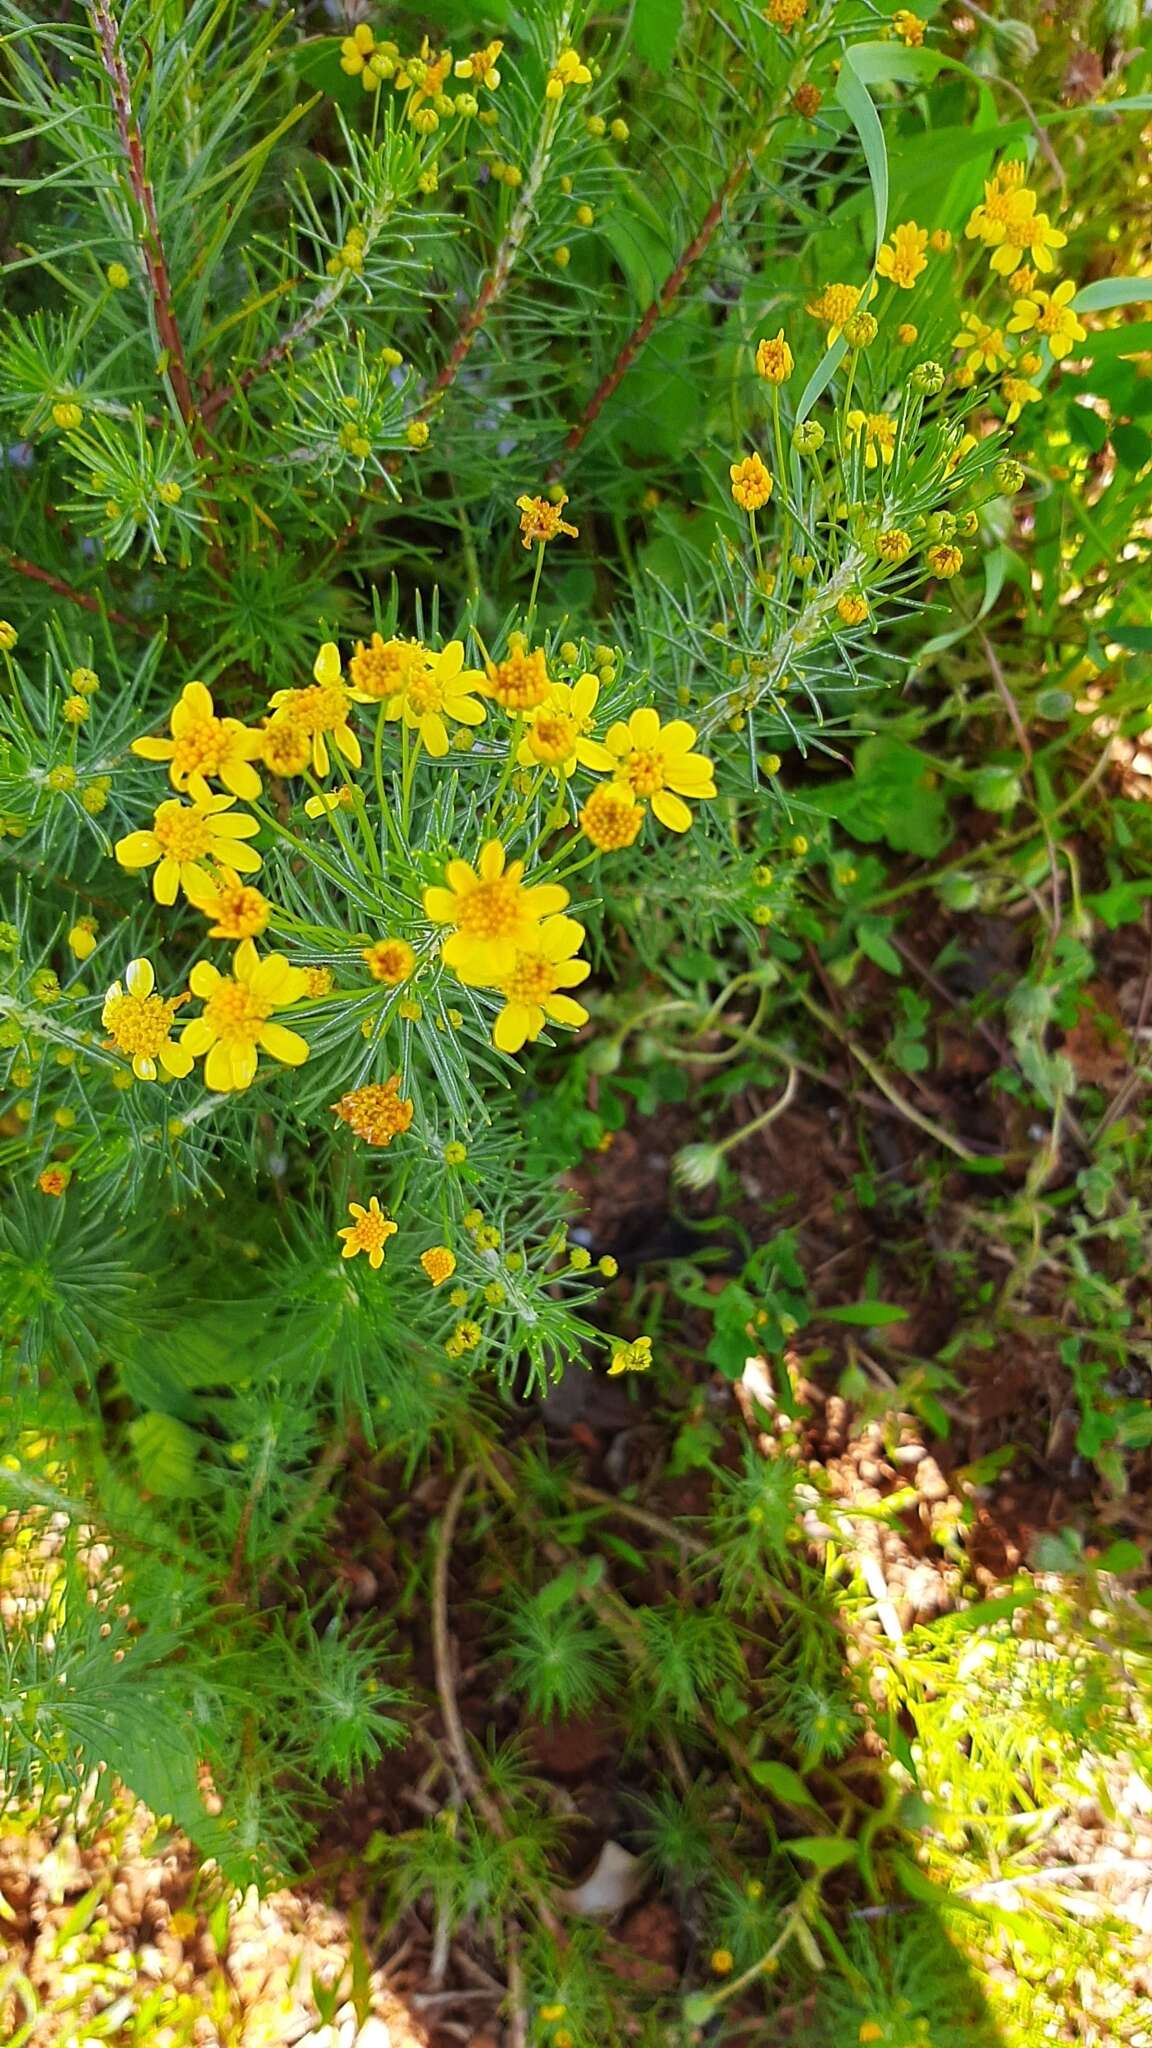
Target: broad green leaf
(165,1450)
(1113,291)
(783,1782)
(867,1314)
(825,1852)
(655,30)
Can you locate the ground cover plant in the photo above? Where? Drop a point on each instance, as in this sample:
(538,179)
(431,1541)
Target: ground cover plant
(574,1000)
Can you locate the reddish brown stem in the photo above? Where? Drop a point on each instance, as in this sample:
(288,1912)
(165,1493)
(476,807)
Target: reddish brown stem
(133,147)
(80,597)
(659,306)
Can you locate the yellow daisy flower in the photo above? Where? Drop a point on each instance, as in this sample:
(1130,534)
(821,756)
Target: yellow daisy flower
(140,1023)
(183,837)
(481,65)
(322,709)
(752,485)
(237,909)
(1007,201)
(390,961)
(532,990)
(494,914)
(540,520)
(285,745)
(985,346)
(657,763)
(1028,233)
(355,52)
(441,689)
(557,732)
(634,1357)
(383,667)
(569,69)
(377,1112)
(203,745)
(369,1232)
(611,817)
(439,1263)
(329,800)
(237,1023)
(879,430)
(834,305)
(901,259)
(521,681)
(1050,314)
(1017,393)
(774,360)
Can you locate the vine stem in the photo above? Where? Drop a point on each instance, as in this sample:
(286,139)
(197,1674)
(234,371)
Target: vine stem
(80,597)
(496,282)
(476,1792)
(131,142)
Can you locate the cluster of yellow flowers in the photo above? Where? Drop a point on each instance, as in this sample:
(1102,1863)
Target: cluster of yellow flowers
(422,77)
(425,76)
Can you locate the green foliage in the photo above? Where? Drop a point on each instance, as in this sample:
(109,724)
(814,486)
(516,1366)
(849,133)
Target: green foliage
(285,339)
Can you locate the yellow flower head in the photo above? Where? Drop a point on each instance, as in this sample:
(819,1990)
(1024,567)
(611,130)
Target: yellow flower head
(183,837)
(786,14)
(557,731)
(834,305)
(329,800)
(521,681)
(879,431)
(1007,201)
(237,1023)
(1032,234)
(751,484)
(611,817)
(369,1232)
(908,27)
(1050,314)
(774,361)
(437,690)
(8,636)
(567,70)
(902,258)
(237,910)
(852,608)
(322,709)
(318,981)
(493,913)
(894,544)
(634,1357)
(657,764)
(945,561)
(721,1962)
(384,667)
(203,746)
(439,1263)
(54,1180)
(140,1023)
(390,961)
(540,520)
(285,745)
(423,77)
(377,1112)
(906,333)
(984,345)
(82,938)
(532,989)
(355,52)
(481,66)
(1017,392)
